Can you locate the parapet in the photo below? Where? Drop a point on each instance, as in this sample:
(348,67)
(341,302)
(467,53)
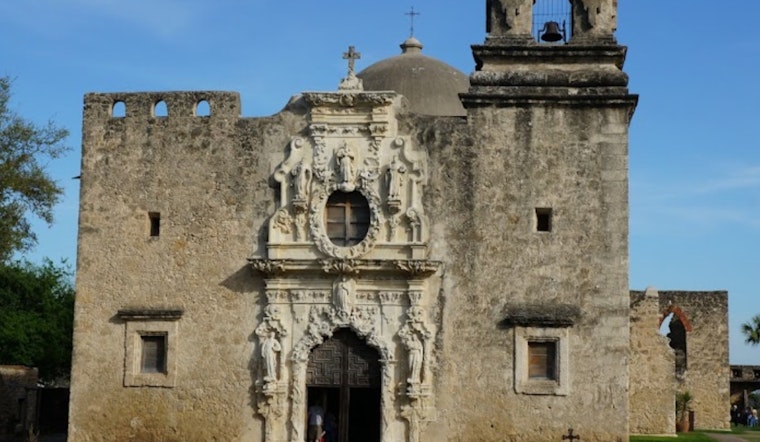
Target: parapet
(137,106)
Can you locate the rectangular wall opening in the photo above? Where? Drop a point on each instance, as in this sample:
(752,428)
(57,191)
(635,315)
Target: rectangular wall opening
(543,219)
(155,223)
(153,358)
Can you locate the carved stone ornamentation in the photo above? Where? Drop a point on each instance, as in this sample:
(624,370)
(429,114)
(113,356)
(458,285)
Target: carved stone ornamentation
(301,181)
(324,320)
(343,295)
(268,267)
(340,266)
(417,338)
(418,268)
(346,168)
(282,220)
(319,233)
(396,172)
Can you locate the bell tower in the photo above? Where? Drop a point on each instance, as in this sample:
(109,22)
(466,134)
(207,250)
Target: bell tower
(512,21)
(550,116)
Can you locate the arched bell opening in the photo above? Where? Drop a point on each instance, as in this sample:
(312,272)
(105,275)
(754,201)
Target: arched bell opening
(344,387)
(552,21)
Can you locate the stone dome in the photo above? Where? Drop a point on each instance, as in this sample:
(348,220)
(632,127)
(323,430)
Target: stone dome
(432,87)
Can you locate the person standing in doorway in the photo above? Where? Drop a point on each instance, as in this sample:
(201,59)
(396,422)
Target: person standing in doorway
(316,423)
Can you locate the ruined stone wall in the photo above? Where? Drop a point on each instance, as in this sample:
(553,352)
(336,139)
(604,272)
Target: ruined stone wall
(652,378)
(18,398)
(207,177)
(483,195)
(707,374)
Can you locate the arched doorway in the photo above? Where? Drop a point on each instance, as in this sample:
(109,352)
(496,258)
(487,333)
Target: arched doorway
(343,377)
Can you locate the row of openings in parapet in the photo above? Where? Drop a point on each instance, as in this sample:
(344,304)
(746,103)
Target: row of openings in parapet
(161,110)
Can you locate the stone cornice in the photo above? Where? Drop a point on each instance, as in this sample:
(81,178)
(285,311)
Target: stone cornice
(529,315)
(534,54)
(349,99)
(145,314)
(409,268)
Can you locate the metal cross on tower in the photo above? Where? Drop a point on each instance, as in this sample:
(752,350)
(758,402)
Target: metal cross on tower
(351,56)
(411,15)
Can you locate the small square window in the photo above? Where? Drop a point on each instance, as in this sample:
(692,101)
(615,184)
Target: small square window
(153,354)
(736,373)
(150,347)
(543,219)
(542,360)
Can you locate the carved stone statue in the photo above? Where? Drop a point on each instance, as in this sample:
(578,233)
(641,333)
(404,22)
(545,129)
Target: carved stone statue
(347,173)
(415,347)
(396,173)
(301,179)
(343,295)
(270,346)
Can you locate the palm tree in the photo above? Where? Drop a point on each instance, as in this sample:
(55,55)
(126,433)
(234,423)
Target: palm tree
(751,331)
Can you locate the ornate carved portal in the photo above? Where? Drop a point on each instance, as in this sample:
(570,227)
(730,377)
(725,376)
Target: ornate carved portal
(344,304)
(343,378)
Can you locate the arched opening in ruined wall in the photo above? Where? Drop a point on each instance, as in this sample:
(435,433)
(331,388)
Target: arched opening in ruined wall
(675,325)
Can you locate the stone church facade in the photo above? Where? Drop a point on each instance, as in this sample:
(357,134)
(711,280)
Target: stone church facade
(421,277)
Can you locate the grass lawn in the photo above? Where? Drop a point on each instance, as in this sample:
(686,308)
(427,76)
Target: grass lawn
(748,434)
(698,436)
(682,437)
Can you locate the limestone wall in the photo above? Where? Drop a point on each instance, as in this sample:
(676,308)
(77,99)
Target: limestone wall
(207,177)
(209,180)
(484,192)
(652,376)
(707,375)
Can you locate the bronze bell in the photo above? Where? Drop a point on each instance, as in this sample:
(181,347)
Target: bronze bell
(552,32)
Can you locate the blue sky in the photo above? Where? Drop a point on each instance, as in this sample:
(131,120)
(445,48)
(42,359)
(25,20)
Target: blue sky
(694,153)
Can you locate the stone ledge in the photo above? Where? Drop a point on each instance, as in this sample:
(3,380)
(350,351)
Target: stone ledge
(150,314)
(533,315)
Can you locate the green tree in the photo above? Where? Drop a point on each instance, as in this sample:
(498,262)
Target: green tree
(36,317)
(25,186)
(751,331)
